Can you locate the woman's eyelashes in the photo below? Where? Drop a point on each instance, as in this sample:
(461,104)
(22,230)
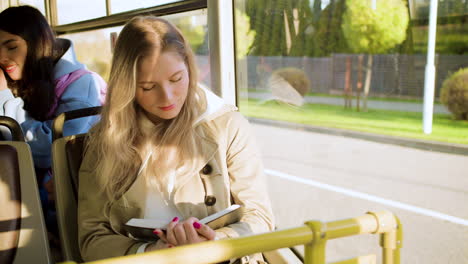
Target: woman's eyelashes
(176,78)
(172,80)
(12,48)
(147,88)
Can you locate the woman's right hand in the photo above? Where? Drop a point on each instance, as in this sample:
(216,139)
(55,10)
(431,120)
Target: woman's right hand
(185,232)
(3,81)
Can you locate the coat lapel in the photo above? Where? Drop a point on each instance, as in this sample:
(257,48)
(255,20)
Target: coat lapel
(191,202)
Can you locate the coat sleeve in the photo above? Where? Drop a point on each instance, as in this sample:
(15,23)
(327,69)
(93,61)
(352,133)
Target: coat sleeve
(38,134)
(247,180)
(96,237)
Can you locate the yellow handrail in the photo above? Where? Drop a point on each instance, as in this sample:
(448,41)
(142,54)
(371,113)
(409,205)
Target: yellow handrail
(313,236)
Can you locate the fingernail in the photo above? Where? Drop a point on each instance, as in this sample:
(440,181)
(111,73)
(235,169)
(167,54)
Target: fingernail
(170,246)
(175,219)
(196,225)
(156,232)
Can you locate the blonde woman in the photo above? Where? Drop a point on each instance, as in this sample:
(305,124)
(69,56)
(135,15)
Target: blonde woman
(165,149)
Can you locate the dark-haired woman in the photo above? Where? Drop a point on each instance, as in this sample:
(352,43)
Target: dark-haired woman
(33,61)
(33,64)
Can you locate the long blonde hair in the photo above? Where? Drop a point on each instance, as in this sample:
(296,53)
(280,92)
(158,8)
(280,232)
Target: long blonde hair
(118,140)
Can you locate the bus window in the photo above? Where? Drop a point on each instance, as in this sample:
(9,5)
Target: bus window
(317,77)
(70,11)
(39,4)
(93,48)
(118,6)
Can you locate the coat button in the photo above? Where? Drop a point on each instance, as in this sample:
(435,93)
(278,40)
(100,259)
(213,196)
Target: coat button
(207,169)
(210,200)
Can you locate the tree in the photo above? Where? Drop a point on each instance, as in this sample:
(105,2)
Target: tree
(299,21)
(280,26)
(244,39)
(244,35)
(374,31)
(329,36)
(195,34)
(454,94)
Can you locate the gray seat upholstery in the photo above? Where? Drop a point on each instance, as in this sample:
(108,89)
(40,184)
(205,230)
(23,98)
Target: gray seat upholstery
(10,197)
(67,154)
(66,190)
(23,235)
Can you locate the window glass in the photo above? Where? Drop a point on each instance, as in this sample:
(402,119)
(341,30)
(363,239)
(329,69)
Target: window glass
(194,26)
(70,11)
(93,48)
(309,53)
(39,4)
(118,6)
(355,68)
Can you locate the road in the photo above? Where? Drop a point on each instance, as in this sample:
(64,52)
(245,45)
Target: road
(314,176)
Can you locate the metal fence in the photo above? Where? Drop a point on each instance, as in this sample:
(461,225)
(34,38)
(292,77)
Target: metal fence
(393,75)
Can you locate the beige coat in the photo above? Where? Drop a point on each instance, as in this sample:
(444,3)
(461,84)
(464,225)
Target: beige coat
(230,171)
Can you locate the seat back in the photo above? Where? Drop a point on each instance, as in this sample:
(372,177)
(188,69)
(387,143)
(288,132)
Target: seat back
(23,235)
(66,193)
(67,154)
(10,197)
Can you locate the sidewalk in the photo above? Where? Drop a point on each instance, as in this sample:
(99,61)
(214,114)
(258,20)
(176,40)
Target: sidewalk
(371,104)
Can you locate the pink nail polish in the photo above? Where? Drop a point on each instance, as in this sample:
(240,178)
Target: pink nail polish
(175,219)
(156,232)
(170,246)
(196,225)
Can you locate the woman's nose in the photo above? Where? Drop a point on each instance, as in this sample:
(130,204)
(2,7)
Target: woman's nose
(167,93)
(3,57)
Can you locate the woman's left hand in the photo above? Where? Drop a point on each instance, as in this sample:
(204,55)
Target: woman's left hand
(186,232)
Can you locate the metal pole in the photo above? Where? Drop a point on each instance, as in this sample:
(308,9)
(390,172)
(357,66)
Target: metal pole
(53,12)
(429,77)
(221,42)
(314,251)
(108,8)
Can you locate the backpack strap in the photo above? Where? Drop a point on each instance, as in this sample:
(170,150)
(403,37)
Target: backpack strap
(61,85)
(102,87)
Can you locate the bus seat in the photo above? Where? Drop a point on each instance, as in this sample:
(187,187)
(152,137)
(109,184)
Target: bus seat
(67,154)
(10,197)
(66,197)
(23,235)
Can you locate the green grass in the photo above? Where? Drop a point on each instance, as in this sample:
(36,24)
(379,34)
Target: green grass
(395,123)
(373,98)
